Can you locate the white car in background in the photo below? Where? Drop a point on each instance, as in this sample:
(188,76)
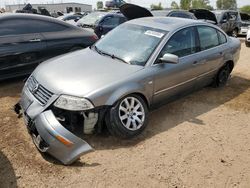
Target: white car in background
(248,38)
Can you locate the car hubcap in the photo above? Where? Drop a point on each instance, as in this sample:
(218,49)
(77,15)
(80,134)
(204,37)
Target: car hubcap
(131,113)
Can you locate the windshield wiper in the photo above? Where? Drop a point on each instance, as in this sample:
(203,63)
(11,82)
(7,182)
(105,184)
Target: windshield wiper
(110,55)
(115,57)
(97,49)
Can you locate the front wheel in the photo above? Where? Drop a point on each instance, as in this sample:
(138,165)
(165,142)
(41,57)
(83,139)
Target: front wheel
(128,118)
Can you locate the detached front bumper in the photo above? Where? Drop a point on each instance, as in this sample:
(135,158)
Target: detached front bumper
(47,133)
(62,144)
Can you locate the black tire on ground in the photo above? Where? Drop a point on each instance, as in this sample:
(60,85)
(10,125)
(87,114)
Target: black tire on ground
(121,115)
(247,44)
(222,76)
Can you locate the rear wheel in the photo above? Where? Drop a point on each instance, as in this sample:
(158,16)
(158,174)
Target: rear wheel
(128,118)
(222,76)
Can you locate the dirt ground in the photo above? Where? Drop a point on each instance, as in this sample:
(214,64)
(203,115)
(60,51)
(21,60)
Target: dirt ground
(202,140)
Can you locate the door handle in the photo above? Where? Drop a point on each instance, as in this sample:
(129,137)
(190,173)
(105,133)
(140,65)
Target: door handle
(202,62)
(35,40)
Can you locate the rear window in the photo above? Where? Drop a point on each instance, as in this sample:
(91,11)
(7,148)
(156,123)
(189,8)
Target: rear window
(208,37)
(222,38)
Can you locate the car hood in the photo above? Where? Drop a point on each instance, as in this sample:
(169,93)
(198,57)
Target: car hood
(82,72)
(131,11)
(203,14)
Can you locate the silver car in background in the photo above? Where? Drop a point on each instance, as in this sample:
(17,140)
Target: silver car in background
(140,64)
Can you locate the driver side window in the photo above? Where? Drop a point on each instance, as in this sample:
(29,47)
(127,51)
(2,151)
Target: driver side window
(182,43)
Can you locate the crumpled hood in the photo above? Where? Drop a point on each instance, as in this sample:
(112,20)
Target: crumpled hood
(81,72)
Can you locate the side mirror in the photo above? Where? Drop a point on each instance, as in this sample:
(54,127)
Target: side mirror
(169,58)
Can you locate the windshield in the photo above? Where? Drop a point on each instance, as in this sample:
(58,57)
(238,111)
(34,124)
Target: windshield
(92,18)
(131,43)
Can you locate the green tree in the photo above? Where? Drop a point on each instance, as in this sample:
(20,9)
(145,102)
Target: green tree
(226,4)
(99,5)
(185,4)
(245,9)
(201,4)
(174,5)
(156,7)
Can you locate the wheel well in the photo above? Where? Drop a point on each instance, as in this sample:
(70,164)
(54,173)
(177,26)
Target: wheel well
(231,65)
(143,97)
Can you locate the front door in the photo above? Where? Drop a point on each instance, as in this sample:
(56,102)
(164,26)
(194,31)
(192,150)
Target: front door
(170,80)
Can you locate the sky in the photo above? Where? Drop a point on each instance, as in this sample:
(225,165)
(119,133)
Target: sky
(144,3)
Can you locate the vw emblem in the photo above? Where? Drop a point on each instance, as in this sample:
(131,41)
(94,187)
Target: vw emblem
(35,88)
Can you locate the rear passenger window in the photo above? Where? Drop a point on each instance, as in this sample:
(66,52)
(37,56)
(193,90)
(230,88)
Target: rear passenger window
(208,37)
(21,26)
(222,38)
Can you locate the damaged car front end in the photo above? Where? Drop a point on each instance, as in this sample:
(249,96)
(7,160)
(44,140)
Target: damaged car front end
(57,127)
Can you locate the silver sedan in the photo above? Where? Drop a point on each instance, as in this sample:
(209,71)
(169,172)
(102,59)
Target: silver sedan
(139,65)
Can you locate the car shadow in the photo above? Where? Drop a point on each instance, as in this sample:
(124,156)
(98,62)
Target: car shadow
(7,174)
(186,109)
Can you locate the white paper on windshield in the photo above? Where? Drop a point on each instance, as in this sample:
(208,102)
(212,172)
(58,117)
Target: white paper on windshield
(154,34)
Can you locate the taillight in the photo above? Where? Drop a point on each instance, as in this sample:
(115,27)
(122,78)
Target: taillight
(94,37)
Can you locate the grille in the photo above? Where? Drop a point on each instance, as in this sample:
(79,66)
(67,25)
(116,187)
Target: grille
(38,91)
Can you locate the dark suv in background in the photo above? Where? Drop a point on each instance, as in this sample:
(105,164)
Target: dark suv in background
(229,21)
(101,22)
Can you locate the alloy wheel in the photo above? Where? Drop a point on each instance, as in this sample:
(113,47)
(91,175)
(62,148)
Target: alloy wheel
(131,113)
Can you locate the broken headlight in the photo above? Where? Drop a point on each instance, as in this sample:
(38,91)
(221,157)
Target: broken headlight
(73,103)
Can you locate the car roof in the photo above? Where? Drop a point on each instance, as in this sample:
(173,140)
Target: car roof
(165,23)
(222,11)
(36,17)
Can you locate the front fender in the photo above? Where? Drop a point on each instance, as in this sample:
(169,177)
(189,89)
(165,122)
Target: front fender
(126,90)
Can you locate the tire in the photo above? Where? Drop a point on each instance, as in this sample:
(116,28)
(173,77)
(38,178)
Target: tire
(222,76)
(128,117)
(235,33)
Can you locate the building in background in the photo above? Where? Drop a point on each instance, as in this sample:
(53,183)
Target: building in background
(55,7)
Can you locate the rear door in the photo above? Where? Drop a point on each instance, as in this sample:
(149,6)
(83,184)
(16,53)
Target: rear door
(210,58)
(60,38)
(21,45)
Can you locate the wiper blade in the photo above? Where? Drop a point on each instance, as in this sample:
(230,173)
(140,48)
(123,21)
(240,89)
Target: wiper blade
(110,55)
(97,49)
(115,57)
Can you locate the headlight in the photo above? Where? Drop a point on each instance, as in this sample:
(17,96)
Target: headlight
(73,103)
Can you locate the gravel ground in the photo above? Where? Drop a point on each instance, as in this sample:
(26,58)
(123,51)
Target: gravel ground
(202,140)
